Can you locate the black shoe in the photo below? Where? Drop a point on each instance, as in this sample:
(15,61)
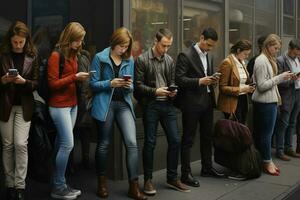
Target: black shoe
(190,180)
(212,172)
(20,194)
(10,193)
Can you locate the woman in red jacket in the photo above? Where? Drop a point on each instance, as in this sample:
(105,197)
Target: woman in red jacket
(19,74)
(63,103)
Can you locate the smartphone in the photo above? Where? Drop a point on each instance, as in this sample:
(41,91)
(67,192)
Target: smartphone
(92,72)
(126,77)
(13,72)
(252,84)
(217,74)
(297,74)
(172,88)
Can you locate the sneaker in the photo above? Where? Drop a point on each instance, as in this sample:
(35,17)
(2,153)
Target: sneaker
(177,185)
(292,154)
(212,172)
(149,188)
(63,193)
(283,157)
(75,191)
(236,176)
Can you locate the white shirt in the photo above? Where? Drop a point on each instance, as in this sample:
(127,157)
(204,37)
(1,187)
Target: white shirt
(202,56)
(242,72)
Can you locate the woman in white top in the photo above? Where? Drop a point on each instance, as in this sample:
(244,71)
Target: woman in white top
(266,98)
(234,80)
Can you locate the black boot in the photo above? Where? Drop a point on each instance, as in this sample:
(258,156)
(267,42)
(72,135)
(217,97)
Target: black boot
(10,193)
(20,194)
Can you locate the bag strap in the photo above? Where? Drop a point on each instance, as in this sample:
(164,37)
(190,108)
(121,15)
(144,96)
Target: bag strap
(61,63)
(233,117)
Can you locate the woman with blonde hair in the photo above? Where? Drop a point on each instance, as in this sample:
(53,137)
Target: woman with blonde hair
(112,87)
(63,103)
(266,99)
(19,75)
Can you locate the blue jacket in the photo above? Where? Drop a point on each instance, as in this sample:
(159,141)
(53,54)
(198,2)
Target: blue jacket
(100,84)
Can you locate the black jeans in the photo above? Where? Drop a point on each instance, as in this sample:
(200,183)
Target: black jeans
(165,113)
(241,109)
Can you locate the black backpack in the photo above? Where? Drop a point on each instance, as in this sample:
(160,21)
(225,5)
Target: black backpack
(43,87)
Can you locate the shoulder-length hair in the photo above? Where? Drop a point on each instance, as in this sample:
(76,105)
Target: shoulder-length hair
(122,36)
(271,40)
(73,32)
(20,29)
(241,45)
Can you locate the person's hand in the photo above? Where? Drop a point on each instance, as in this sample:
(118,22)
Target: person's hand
(128,83)
(247,89)
(19,80)
(162,91)
(208,80)
(7,79)
(82,76)
(119,82)
(173,93)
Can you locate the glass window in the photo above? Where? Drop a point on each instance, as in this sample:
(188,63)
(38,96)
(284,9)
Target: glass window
(199,14)
(240,20)
(146,17)
(288,17)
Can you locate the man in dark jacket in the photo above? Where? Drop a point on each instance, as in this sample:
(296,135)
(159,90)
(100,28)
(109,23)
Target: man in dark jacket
(290,97)
(194,70)
(154,88)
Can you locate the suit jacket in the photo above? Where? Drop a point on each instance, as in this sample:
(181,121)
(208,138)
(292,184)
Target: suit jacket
(287,88)
(7,91)
(189,68)
(229,85)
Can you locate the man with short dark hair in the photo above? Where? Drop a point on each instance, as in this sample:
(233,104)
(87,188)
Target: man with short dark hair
(154,89)
(194,70)
(290,97)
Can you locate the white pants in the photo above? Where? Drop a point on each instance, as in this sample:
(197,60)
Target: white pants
(14,136)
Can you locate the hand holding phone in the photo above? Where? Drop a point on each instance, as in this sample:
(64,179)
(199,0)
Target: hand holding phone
(126,77)
(252,84)
(92,72)
(13,72)
(217,75)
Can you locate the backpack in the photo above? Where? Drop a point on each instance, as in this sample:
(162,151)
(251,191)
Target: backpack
(43,87)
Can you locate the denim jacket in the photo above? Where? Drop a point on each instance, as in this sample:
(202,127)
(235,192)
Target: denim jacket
(100,83)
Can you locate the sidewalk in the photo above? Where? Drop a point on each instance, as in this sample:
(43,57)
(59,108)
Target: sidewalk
(264,188)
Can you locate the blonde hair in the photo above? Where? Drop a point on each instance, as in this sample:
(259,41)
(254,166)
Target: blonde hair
(121,36)
(271,40)
(74,31)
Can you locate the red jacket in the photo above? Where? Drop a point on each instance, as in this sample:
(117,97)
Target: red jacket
(62,90)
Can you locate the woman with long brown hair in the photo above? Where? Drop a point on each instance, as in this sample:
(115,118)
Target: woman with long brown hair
(112,87)
(19,74)
(63,103)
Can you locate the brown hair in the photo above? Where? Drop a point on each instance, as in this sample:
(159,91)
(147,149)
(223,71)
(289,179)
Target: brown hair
(121,36)
(73,32)
(20,29)
(242,45)
(271,40)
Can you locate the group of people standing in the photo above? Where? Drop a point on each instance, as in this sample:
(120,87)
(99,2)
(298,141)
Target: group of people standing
(159,84)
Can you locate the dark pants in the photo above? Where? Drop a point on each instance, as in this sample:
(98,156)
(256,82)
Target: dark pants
(241,109)
(190,120)
(165,113)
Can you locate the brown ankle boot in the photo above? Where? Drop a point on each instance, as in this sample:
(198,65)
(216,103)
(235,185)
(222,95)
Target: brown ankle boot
(102,187)
(134,191)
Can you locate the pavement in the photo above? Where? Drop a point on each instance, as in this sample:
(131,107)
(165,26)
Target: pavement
(286,186)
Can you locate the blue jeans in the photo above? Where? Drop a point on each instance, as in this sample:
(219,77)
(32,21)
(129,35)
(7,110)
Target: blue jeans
(285,126)
(264,118)
(64,121)
(164,113)
(120,112)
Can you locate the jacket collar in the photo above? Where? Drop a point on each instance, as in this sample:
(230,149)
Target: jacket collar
(104,57)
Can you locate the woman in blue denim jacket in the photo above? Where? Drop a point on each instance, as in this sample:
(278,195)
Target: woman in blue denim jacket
(112,87)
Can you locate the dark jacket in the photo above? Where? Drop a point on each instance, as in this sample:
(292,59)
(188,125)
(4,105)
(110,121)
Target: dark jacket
(7,91)
(145,76)
(286,88)
(189,69)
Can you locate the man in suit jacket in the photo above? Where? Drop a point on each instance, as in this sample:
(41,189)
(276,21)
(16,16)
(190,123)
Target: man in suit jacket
(290,97)
(193,75)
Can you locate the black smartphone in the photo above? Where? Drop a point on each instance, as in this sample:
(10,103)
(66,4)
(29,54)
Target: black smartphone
(127,77)
(92,72)
(13,72)
(172,88)
(252,84)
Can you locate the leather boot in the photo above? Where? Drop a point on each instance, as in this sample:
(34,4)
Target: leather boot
(102,187)
(134,191)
